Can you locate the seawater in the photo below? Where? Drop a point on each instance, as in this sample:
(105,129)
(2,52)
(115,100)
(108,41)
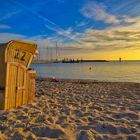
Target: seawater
(125,71)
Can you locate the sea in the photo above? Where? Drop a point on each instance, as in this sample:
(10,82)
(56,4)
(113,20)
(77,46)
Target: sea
(113,71)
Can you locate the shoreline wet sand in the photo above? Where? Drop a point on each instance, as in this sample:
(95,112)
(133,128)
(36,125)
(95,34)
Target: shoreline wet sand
(76,110)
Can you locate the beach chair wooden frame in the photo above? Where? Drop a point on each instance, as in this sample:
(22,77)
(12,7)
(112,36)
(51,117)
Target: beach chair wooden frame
(15,76)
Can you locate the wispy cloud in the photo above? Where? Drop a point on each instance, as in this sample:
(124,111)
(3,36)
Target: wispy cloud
(118,37)
(3,26)
(81,24)
(8,15)
(49,24)
(94,10)
(4,37)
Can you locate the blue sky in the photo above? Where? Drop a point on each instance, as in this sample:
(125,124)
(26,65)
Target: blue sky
(101,26)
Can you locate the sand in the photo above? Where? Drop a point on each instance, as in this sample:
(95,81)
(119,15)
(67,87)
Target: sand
(76,110)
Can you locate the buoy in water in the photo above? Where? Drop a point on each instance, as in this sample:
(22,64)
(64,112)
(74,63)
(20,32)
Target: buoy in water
(89,68)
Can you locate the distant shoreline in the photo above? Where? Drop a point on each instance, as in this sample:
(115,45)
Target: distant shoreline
(80,61)
(75,61)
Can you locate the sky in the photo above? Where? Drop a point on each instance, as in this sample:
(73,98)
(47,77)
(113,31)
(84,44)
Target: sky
(88,29)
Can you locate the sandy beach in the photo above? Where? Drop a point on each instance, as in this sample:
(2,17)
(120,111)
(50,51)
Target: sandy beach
(76,110)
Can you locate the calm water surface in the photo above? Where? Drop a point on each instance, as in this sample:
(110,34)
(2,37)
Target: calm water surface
(126,71)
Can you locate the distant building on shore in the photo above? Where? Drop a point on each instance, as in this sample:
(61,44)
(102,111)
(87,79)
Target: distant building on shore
(120,59)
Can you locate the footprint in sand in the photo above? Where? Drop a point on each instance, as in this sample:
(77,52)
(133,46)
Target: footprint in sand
(124,130)
(106,129)
(85,135)
(126,115)
(48,132)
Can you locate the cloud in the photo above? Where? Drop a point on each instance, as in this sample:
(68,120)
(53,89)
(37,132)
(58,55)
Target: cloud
(48,24)
(94,10)
(81,24)
(118,37)
(3,26)
(8,15)
(40,40)
(5,37)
